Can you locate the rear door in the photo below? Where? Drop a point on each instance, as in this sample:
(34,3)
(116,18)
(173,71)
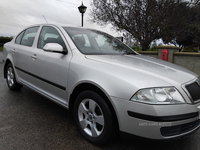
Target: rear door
(21,51)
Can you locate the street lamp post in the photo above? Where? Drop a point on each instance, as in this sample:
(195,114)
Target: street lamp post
(82,10)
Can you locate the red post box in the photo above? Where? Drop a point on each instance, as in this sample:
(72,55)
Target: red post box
(164,54)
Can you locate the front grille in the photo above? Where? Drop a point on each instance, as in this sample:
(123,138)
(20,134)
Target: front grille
(194,91)
(179,129)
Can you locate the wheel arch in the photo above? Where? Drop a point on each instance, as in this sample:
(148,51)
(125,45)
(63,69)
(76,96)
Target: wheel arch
(88,86)
(4,70)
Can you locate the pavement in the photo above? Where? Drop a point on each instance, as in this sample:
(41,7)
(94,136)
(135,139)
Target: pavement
(30,121)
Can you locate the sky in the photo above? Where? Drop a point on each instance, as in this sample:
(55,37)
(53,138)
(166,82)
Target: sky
(15,15)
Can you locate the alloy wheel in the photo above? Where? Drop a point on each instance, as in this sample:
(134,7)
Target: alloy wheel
(91,117)
(10,76)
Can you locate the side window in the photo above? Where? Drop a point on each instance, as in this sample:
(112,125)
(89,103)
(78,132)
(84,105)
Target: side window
(29,36)
(49,35)
(19,37)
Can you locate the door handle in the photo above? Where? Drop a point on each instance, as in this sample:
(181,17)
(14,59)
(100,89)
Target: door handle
(13,51)
(34,56)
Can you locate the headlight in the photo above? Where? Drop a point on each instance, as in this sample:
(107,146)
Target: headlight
(167,95)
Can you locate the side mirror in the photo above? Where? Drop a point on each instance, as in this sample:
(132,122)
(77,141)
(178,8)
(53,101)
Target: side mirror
(53,47)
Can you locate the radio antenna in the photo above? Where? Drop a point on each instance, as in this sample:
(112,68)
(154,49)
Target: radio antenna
(44,18)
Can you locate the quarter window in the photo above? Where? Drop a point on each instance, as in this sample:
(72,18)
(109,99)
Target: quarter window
(29,36)
(49,35)
(19,37)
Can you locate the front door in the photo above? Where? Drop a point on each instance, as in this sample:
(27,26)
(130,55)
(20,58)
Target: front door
(50,69)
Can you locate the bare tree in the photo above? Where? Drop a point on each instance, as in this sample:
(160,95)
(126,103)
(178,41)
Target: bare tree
(184,25)
(143,19)
(133,16)
(146,20)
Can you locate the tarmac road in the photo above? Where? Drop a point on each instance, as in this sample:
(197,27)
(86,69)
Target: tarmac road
(30,121)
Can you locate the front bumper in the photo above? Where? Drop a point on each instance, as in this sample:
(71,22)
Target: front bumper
(157,122)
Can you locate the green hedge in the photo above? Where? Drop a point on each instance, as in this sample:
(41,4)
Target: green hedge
(190,49)
(1,48)
(137,48)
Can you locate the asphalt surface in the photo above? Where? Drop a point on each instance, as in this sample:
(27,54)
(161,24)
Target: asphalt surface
(1,57)
(30,121)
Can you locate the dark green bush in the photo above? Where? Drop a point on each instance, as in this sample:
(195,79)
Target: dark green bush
(190,49)
(153,49)
(1,48)
(136,48)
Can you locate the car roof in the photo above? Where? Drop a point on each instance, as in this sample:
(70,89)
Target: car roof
(54,24)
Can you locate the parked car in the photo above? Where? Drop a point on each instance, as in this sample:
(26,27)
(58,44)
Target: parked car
(106,85)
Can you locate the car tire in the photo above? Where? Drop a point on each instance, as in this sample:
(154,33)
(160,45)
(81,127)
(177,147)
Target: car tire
(11,78)
(93,118)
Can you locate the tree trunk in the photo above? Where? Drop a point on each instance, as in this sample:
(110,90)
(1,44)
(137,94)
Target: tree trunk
(145,46)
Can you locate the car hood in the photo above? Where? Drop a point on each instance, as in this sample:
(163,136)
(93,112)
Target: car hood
(147,66)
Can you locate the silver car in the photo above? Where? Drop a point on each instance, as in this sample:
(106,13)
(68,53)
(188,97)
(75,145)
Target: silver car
(105,85)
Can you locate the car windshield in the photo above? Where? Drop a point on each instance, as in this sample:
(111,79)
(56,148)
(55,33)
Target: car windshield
(95,42)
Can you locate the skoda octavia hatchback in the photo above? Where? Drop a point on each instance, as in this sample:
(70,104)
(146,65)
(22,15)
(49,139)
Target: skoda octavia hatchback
(106,85)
